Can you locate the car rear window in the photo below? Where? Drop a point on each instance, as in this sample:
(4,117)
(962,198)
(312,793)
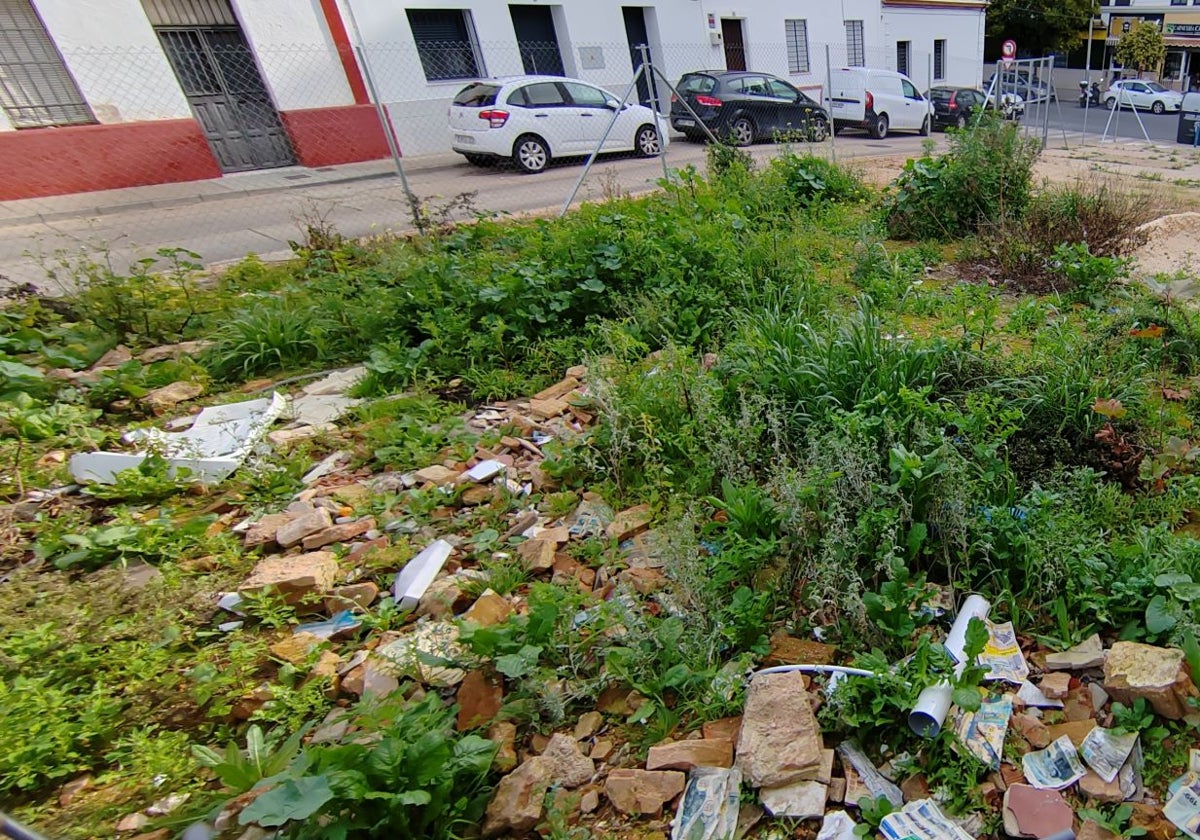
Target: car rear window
(941,94)
(696,83)
(477,95)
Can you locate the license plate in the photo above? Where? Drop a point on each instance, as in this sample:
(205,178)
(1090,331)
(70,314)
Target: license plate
(465,139)
(684,121)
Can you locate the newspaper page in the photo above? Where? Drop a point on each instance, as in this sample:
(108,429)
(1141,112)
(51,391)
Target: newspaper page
(1105,751)
(710,804)
(983,732)
(1055,767)
(1002,655)
(1183,808)
(923,820)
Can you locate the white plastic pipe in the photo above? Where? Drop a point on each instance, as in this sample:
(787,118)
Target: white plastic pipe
(933,704)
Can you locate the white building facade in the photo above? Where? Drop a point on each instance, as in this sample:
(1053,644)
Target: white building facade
(98,94)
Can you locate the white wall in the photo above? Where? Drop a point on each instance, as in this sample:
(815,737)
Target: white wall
(115,58)
(962,29)
(295,53)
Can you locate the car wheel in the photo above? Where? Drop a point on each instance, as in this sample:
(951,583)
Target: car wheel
(1110,103)
(478,160)
(879,128)
(925,128)
(961,122)
(530,153)
(1158,108)
(645,142)
(741,133)
(818,130)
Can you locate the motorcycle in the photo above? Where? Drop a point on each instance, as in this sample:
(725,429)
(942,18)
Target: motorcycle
(1089,97)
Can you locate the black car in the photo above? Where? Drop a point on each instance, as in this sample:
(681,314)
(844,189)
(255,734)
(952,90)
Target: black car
(955,106)
(742,107)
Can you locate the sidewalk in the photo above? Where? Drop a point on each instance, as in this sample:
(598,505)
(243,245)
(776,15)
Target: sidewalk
(236,185)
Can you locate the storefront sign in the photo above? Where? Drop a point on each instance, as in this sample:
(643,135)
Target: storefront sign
(1182,30)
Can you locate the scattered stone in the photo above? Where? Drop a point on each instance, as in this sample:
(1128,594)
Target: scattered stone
(825,775)
(629,522)
(133,822)
(1029,812)
(166,805)
(591,518)
(589,801)
(837,789)
(1089,830)
(547,409)
(1094,787)
(442,598)
(571,767)
(1076,730)
(1032,730)
(1099,696)
(158,834)
(477,494)
(915,787)
(263,531)
(114,358)
(283,438)
(436,474)
(1150,817)
(294,576)
(788,650)
(480,696)
(1087,654)
(537,555)
(503,734)
(310,522)
(295,648)
(517,804)
(352,596)
(1077,705)
(643,581)
(602,749)
(161,399)
(330,464)
(488,610)
(589,724)
(727,728)
(138,576)
(1055,685)
(686,755)
(338,533)
(1134,670)
(333,728)
(779,741)
(643,791)
(72,789)
(558,390)
(181,350)
(800,800)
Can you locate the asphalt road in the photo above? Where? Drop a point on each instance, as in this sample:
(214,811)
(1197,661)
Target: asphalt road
(230,226)
(1068,116)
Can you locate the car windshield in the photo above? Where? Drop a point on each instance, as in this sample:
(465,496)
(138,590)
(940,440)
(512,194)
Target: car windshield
(696,83)
(1156,87)
(477,95)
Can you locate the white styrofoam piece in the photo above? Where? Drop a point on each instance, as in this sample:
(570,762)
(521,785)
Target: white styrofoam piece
(216,444)
(418,573)
(485,470)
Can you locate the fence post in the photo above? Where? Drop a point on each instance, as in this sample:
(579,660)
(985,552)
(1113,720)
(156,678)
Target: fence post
(644,50)
(1087,87)
(829,98)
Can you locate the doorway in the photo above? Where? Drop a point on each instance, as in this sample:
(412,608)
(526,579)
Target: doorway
(217,72)
(637,34)
(735,44)
(537,39)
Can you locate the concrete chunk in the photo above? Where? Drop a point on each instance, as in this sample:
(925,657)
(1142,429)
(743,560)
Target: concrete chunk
(1134,670)
(687,755)
(294,576)
(1087,654)
(643,791)
(317,519)
(779,741)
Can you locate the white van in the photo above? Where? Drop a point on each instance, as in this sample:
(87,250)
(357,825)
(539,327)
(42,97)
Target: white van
(877,100)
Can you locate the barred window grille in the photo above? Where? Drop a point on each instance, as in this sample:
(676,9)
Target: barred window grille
(939,60)
(36,88)
(855,49)
(446,43)
(796,32)
(903,55)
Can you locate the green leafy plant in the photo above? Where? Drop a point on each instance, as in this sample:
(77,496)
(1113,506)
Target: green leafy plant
(1115,820)
(873,810)
(263,757)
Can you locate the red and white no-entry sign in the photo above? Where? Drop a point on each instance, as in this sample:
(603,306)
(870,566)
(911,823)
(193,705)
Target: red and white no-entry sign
(1008,52)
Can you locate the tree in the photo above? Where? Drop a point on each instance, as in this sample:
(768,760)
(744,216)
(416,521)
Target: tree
(1040,26)
(1141,47)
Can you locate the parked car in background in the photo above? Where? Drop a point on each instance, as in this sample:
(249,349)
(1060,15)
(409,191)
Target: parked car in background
(1139,94)
(534,119)
(1019,82)
(742,107)
(878,101)
(957,106)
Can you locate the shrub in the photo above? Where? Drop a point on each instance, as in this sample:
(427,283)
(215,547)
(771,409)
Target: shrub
(275,334)
(984,178)
(808,179)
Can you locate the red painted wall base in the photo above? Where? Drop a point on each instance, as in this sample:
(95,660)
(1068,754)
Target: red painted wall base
(56,161)
(327,136)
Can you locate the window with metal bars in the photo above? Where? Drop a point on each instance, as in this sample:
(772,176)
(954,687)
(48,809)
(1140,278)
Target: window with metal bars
(903,56)
(855,49)
(796,32)
(36,89)
(445,41)
(939,60)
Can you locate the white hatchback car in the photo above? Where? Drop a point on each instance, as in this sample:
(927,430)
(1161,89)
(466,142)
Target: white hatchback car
(532,119)
(1139,94)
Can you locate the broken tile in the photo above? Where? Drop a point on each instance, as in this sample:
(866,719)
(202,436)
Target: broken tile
(686,755)
(1029,812)
(630,522)
(1087,654)
(643,791)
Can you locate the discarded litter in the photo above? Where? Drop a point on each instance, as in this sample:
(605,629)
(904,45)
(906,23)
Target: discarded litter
(982,732)
(933,703)
(342,622)
(1054,768)
(1031,695)
(1106,751)
(1183,808)
(418,573)
(1002,655)
(709,807)
(485,470)
(837,825)
(217,443)
(921,819)
(871,778)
